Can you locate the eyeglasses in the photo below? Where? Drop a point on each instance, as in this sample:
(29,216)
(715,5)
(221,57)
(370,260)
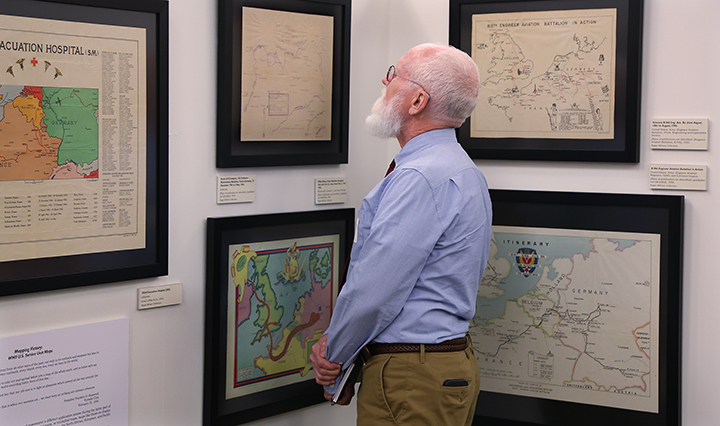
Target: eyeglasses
(392,73)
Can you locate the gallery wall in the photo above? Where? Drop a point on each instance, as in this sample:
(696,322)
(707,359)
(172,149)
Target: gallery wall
(166,344)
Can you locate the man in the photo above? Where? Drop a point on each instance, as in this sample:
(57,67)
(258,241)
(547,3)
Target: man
(420,249)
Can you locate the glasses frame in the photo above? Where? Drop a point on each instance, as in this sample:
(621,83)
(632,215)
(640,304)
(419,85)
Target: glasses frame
(392,73)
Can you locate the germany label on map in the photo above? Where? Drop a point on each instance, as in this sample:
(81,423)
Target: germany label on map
(280,299)
(48,133)
(570,315)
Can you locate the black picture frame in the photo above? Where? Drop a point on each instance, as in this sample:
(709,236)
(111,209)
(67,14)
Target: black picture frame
(103,266)
(624,147)
(220,407)
(646,214)
(234,152)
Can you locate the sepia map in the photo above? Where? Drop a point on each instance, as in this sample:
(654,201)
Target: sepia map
(545,74)
(286,76)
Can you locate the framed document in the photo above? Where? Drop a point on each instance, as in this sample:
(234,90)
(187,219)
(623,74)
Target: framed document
(579,311)
(272,282)
(560,79)
(283,82)
(83,142)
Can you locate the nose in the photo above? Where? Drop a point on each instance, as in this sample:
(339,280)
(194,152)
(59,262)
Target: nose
(385,81)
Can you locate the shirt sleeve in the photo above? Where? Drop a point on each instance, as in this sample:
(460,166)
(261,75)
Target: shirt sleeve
(397,243)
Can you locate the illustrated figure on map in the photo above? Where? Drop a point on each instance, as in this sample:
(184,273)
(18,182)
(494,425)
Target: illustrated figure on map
(421,246)
(553,114)
(598,120)
(293,271)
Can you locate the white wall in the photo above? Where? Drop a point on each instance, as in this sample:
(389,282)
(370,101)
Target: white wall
(166,344)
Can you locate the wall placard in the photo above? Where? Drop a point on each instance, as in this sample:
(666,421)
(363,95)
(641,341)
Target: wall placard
(679,177)
(679,134)
(235,189)
(330,190)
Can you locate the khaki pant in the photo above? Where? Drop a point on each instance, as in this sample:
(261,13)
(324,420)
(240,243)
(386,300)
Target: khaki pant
(406,389)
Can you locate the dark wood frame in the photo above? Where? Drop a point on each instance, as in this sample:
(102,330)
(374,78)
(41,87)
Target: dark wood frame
(34,275)
(653,214)
(221,233)
(231,152)
(625,147)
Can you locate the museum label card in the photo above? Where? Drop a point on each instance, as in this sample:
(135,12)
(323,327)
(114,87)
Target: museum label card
(680,177)
(159,296)
(331,190)
(235,189)
(676,134)
(67,376)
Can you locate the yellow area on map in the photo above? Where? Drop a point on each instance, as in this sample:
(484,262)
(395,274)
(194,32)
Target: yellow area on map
(29,106)
(296,356)
(240,276)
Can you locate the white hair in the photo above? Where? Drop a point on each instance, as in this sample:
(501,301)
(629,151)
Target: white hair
(386,119)
(452,80)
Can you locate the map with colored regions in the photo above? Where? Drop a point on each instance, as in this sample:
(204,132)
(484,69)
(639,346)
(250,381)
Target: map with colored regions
(281,294)
(570,315)
(48,133)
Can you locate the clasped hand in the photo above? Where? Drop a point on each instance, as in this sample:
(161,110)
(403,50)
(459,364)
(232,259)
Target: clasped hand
(327,372)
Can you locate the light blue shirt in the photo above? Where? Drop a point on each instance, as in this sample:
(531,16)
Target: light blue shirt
(422,242)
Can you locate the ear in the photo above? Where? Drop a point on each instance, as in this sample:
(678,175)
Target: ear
(419,102)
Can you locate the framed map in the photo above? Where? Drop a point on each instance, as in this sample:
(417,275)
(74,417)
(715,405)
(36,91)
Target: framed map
(283,82)
(560,80)
(578,313)
(83,142)
(271,289)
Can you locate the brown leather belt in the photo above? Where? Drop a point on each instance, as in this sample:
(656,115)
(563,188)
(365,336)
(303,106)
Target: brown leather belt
(454,345)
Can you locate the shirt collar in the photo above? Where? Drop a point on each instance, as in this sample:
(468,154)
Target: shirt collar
(424,140)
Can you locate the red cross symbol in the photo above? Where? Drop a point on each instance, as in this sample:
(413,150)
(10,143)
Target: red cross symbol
(34,62)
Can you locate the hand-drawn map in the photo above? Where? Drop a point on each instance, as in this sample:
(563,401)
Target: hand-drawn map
(570,315)
(280,300)
(545,75)
(286,76)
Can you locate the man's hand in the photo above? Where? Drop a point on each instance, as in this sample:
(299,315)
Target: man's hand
(325,371)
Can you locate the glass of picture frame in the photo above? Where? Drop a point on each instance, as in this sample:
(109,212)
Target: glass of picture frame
(579,312)
(560,79)
(85,182)
(283,82)
(272,282)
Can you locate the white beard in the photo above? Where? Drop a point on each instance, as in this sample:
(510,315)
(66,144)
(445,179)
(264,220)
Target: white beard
(385,119)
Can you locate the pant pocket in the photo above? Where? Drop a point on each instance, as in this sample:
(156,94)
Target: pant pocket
(372,404)
(384,389)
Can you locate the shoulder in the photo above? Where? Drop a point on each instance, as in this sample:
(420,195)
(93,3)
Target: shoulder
(441,163)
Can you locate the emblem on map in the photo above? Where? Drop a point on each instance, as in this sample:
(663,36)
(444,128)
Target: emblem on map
(527,260)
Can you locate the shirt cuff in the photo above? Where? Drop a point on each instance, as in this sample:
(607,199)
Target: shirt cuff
(334,388)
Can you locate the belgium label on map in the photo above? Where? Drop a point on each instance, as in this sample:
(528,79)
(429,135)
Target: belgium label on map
(48,133)
(280,300)
(570,315)
(545,75)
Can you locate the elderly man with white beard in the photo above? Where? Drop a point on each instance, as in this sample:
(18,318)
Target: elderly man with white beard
(422,241)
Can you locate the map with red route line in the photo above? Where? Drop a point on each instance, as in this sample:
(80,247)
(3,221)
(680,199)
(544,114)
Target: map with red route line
(281,294)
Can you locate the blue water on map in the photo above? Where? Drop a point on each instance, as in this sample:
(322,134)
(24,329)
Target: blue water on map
(516,284)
